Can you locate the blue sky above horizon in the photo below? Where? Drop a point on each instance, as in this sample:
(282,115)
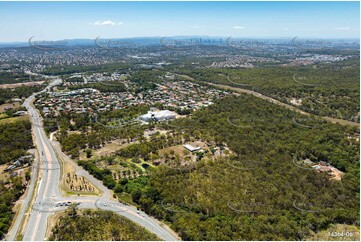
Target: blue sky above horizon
(88,20)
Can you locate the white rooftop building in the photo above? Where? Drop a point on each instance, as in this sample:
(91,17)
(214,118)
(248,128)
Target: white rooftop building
(158,115)
(191,148)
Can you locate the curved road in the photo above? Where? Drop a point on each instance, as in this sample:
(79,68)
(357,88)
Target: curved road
(48,198)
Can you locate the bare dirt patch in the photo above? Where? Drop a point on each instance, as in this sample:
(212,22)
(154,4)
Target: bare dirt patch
(108,149)
(74,184)
(3,175)
(177,149)
(336,174)
(14,85)
(7,106)
(19,171)
(295,101)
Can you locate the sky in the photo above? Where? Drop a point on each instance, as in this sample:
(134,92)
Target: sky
(20,21)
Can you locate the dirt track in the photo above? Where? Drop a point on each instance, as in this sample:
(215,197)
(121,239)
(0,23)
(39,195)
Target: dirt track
(272,100)
(14,85)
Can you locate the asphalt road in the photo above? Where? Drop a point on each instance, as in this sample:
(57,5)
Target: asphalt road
(48,198)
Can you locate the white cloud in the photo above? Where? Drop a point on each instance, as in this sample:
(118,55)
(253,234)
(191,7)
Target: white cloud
(343,28)
(106,22)
(238,27)
(285,29)
(194,27)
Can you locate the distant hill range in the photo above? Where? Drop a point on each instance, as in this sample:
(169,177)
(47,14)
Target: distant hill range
(158,41)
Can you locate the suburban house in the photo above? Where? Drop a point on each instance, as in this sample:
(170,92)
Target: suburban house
(191,148)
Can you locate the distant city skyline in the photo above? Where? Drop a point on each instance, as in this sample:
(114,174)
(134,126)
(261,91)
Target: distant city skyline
(88,20)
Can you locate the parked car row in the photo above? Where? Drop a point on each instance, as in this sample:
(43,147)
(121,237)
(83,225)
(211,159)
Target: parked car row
(66,204)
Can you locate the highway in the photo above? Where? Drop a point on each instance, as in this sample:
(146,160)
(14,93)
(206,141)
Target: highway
(49,199)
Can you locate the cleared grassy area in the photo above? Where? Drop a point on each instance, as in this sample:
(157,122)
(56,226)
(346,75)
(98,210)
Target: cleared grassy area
(125,198)
(107,149)
(12,105)
(13,119)
(68,172)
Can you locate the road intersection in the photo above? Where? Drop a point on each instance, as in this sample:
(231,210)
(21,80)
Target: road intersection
(49,199)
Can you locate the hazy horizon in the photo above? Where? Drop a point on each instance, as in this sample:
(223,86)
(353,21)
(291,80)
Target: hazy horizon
(180,37)
(110,20)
